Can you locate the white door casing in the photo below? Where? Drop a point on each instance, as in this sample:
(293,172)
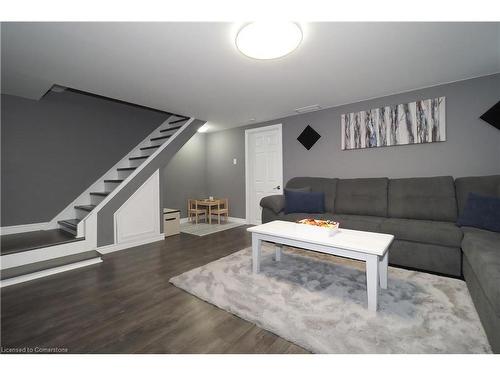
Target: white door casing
(139,217)
(263,167)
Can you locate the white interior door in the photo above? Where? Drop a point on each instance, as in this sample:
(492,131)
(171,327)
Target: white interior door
(264,167)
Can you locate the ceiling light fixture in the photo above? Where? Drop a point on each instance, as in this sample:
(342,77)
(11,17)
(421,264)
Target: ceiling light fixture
(268,40)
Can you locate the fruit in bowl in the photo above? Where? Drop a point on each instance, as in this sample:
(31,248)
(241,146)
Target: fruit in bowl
(320,223)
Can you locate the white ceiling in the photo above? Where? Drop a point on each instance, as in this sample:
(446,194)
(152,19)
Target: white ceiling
(195,69)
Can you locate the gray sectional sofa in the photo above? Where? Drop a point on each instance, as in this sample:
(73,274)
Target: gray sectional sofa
(421,213)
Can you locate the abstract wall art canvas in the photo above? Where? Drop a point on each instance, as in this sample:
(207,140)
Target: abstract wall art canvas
(422,121)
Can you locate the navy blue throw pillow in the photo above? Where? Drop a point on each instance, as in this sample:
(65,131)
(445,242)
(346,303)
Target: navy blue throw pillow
(481,212)
(304,202)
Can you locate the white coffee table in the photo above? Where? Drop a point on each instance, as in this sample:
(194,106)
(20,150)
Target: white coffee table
(367,246)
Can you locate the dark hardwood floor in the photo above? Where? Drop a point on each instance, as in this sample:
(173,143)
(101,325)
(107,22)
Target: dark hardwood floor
(127,305)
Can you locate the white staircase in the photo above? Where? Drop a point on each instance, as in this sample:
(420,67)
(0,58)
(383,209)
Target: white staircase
(80,217)
(72,218)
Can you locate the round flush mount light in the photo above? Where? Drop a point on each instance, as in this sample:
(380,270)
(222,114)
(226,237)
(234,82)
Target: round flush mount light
(268,40)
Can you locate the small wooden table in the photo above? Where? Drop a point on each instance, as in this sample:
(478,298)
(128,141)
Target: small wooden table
(208,203)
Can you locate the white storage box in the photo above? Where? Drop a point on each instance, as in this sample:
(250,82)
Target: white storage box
(171,221)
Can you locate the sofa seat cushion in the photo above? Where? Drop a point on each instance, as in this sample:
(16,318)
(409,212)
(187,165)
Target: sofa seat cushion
(482,250)
(425,231)
(359,222)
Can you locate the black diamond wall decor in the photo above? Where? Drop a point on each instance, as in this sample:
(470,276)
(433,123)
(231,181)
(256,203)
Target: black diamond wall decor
(492,116)
(308,137)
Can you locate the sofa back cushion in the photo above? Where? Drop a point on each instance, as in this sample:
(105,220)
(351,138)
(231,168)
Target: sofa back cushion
(486,185)
(317,184)
(426,198)
(362,196)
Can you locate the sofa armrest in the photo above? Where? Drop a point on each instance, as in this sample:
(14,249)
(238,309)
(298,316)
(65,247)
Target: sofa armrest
(275,203)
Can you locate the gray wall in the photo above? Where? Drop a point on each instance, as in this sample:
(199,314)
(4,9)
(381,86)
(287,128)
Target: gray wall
(472,146)
(185,176)
(54,148)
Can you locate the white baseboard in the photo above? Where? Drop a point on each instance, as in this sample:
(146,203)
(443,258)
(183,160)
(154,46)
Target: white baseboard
(237,220)
(13,229)
(51,271)
(122,246)
(231,219)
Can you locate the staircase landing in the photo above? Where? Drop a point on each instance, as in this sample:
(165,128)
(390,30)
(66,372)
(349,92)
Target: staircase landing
(19,242)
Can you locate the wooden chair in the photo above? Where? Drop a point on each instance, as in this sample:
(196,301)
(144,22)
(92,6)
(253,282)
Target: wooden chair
(222,208)
(193,210)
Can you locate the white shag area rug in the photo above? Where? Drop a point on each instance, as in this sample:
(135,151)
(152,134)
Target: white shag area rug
(318,302)
(204,229)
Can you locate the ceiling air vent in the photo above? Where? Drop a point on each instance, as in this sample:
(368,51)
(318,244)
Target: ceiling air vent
(309,108)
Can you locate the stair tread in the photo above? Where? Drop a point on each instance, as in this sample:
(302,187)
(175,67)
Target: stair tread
(113,180)
(138,157)
(102,193)
(71,223)
(48,264)
(21,242)
(168,129)
(180,120)
(86,207)
(126,168)
(162,137)
(149,147)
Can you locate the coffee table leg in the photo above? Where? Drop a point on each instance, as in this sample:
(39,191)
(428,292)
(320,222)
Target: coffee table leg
(256,245)
(278,248)
(372,282)
(382,269)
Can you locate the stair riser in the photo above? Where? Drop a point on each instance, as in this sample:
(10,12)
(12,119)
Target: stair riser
(124,174)
(80,214)
(49,272)
(96,199)
(136,163)
(110,186)
(66,229)
(148,152)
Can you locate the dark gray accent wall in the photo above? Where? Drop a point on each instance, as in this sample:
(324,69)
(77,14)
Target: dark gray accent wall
(472,147)
(105,225)
(185,176)
(54,148)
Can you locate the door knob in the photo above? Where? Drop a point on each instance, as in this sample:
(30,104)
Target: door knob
(278,187)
